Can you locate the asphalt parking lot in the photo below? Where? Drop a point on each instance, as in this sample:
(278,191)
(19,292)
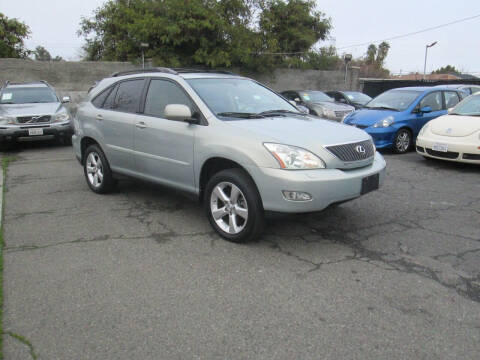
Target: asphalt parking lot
(139,274)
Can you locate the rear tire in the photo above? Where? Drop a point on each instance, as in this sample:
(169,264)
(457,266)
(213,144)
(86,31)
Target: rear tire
(97,170)
(233,206)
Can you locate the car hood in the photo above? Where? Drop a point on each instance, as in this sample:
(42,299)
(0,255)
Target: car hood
(368,117)
(332,105)
(29,109)
(455,125)
(303,131)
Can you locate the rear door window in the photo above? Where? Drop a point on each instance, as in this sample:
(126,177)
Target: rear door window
(110,100)
(100,99)
(451,99)
(128,95)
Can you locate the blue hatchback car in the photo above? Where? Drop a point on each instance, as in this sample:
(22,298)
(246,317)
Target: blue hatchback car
(395,117)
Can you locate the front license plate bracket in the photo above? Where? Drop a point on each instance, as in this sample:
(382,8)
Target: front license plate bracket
(370,183)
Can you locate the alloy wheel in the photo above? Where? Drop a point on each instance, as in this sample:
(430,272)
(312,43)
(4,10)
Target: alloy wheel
(403,141)
(94,168)
(229,207)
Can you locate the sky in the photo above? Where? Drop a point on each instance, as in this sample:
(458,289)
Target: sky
(54,24)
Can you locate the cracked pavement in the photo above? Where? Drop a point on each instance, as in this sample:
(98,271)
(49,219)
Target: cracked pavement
(139,274)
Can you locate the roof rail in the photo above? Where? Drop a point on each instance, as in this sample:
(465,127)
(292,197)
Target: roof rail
(8,82)
(200,70)
(141,71)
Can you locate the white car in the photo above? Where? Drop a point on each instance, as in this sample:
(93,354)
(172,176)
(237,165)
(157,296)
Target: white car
(453,137)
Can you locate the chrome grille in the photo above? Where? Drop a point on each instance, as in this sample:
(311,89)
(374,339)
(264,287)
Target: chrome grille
(353,151)
(33,119)
(342,113)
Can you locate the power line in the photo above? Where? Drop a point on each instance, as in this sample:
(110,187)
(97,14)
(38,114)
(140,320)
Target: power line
(412,33)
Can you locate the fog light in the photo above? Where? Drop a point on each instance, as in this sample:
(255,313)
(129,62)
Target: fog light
(296,195)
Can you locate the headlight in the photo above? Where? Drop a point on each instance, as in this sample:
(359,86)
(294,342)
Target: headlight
(328,113)
(63,116)
(292,157)
(4,120)
(424,128)
(385,122)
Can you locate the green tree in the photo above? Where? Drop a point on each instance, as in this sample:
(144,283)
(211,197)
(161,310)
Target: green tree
(212,33)
(371,54)
(42,54)
(449,69)
(382,53)
(190,32)
(292,26)
(12,35)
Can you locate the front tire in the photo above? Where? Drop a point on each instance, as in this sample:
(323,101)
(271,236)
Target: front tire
(233,206)
(97,170)
(402,141)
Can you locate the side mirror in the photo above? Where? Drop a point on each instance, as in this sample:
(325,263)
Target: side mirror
(449,110)
(426,109)
(66,99)
(292,102)
(179,112)
(297,100)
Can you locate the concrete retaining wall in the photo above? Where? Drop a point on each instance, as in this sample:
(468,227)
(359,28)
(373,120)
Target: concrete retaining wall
(75,78)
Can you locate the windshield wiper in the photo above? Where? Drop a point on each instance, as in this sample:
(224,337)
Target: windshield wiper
(381,108)
(276,112)
(7,102)
(241,115)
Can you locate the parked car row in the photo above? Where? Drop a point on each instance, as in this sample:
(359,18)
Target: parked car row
(239,147)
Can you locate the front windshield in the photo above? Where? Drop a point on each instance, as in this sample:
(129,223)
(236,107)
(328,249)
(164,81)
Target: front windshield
(25,95)
(230,97)
(394,99)
(470,106)
(315,96)
(358,97)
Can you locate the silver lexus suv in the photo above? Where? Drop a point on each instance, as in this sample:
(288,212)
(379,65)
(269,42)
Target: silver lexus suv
(32,111)
(239,147)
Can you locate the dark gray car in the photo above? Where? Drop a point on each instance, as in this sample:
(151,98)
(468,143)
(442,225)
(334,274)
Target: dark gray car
(31,112)
(319,104)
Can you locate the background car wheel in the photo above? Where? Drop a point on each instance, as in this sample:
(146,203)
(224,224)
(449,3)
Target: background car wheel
(233,206)
(402,141)
(97,170)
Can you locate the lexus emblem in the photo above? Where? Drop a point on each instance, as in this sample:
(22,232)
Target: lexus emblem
(360,149)
(448,131)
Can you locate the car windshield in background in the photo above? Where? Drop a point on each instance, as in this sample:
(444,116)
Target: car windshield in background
(470,106)
(315,96)
(239,98)
(397,100)
(358,97)
(25,95)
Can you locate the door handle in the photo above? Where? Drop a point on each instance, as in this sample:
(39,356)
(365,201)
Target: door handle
(99,117)
(141,125)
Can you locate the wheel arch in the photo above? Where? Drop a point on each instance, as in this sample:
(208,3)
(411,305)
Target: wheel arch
(212,166)
(84,144)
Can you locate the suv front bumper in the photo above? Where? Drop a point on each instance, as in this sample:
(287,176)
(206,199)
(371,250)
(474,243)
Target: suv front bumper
(9,133)
(326,186)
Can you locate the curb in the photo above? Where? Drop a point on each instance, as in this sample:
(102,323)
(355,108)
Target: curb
(1,193)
